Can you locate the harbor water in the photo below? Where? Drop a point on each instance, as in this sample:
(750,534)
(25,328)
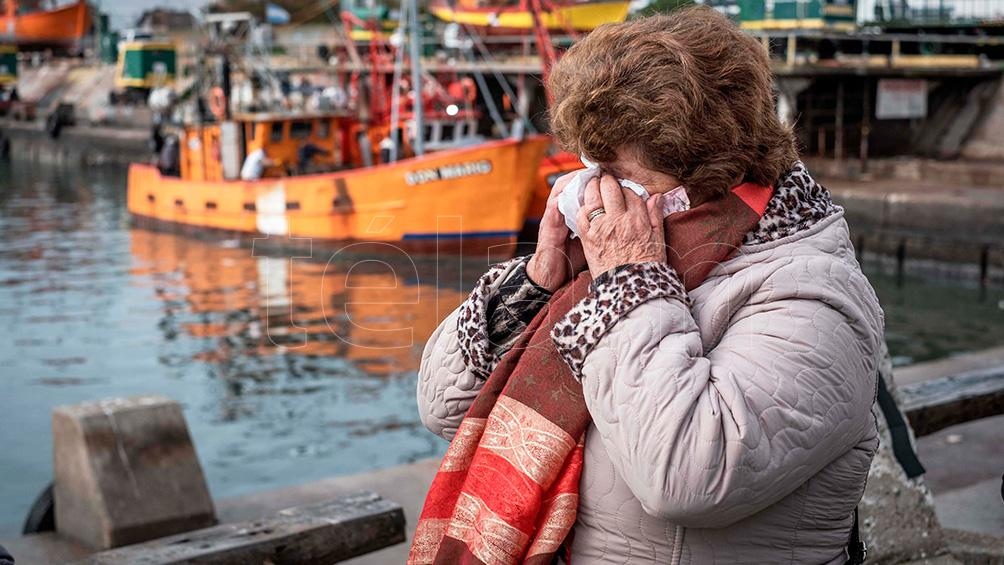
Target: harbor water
(289,368)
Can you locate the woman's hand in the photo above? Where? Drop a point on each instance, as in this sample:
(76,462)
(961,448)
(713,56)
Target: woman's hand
(557,257)
(628,231)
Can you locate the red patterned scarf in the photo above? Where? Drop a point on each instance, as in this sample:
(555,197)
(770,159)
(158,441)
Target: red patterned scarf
(507,490)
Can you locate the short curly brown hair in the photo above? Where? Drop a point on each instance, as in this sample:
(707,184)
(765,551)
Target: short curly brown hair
(688,92)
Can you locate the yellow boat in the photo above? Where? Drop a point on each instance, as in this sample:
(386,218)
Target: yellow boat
(462,197)
(518,17)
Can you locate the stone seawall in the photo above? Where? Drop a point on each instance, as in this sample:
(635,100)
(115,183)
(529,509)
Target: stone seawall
(926,227)
(84,145)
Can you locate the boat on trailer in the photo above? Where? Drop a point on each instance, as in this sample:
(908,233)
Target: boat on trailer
(64,26)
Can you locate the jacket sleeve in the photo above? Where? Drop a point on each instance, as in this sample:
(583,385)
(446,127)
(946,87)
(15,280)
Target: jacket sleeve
(705,439)
(468,344)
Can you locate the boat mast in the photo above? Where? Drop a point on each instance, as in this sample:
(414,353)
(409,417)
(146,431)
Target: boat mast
(395,97)
(416,78)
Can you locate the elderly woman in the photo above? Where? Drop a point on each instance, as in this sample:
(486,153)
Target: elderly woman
(701,392)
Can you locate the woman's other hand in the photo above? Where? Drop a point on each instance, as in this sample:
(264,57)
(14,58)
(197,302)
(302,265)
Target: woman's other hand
(628,231)
(557,257)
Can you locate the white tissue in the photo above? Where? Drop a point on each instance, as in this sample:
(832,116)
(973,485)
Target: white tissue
(572,197)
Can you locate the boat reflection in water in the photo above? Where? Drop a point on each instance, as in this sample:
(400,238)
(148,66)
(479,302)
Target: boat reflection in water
(376,313)
(309,358)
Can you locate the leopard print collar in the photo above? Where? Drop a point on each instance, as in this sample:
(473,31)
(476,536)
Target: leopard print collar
(799,202)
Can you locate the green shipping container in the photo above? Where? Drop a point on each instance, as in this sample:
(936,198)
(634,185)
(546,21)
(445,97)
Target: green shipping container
(797,14)
(8,64)
(144,64)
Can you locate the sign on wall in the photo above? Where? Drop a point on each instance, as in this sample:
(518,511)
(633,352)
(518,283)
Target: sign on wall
(900,99)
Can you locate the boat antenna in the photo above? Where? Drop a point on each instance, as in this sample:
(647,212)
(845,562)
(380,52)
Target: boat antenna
(416,78)
(499,77)
(395,97)
(486,94)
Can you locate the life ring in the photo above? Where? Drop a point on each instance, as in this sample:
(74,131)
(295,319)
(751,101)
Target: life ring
(463,89)
(218,102)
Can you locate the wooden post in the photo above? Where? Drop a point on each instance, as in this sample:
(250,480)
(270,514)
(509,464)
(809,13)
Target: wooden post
(808,117)
(327,532)
(838,127)
(866,124)
(792,44)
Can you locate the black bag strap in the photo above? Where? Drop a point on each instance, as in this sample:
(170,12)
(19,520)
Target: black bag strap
(857,551)
(902,449)
(901,446)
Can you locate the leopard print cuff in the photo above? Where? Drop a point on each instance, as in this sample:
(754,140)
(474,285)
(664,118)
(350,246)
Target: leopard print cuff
(615,294)
(472,322)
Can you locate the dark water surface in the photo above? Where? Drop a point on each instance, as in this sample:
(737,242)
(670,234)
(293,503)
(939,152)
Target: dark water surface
(288,370)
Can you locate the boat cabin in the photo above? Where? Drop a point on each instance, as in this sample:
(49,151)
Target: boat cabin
(216,151)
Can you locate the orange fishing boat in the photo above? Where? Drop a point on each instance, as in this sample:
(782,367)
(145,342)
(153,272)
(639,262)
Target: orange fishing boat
(462,197)
(518,17)
(551,168)
(387,170)
(64,26)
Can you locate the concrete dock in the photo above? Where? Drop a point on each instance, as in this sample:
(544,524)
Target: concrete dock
(964,466)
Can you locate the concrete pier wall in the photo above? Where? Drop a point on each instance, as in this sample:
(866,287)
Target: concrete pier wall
(90,145)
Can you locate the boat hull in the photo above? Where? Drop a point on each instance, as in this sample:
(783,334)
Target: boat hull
(463,200)
(62,27)
(579,17)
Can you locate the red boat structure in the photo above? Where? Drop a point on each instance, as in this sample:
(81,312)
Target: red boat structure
(62,26)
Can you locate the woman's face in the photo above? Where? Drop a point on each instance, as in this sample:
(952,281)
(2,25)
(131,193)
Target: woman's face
(627,166)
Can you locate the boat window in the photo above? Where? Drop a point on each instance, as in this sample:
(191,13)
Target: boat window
(292,205)
(277,131)
(249,206)
(179,202)
(151,198)
(323,129)
(210,205)
(448,131)
(300,130)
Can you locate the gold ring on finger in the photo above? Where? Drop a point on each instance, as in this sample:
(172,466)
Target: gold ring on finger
(595,214)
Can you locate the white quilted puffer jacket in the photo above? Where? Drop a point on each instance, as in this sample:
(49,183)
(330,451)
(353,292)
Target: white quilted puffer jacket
(731,424)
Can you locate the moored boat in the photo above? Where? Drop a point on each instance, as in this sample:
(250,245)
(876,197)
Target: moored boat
(461,199)
(64,26)
(518,17)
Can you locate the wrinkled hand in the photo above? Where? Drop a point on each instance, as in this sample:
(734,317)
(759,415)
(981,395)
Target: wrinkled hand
(630,231)
(557,257)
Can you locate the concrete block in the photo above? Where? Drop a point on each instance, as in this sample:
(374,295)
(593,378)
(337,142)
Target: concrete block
(126,472)
(975,548)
